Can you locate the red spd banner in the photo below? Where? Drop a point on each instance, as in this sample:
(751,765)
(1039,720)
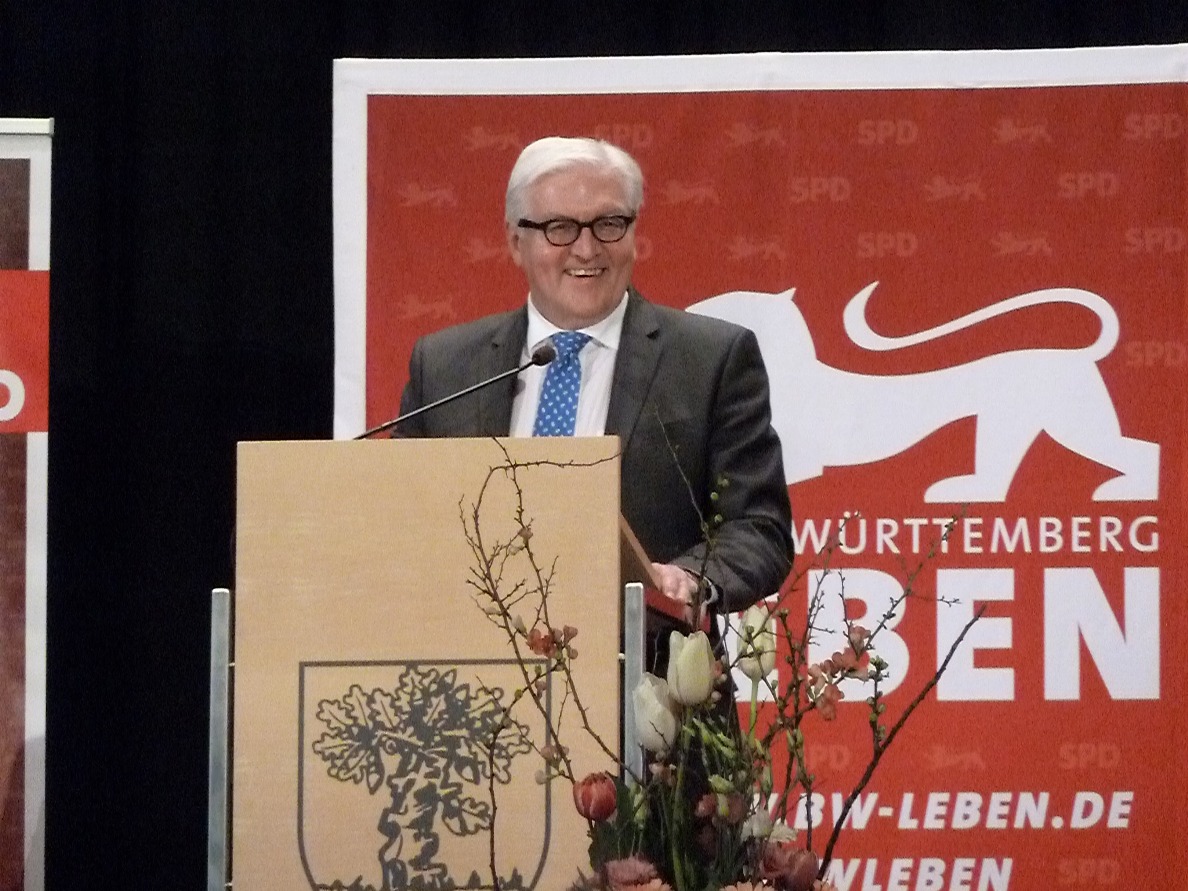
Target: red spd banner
(24,389)
(971,303)
(24,351)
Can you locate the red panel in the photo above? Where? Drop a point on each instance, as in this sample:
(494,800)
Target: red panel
(953,201)
(24,351)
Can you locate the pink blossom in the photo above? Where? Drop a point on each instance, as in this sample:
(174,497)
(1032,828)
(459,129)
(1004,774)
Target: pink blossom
(827,701)
(631,872)
(788,868)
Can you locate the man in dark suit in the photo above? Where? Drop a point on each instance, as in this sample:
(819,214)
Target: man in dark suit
(687,395)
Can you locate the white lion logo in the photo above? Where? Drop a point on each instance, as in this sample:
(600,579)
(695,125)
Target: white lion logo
(828,417)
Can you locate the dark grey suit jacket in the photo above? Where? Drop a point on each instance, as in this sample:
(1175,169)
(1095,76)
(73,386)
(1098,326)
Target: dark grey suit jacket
(689,401)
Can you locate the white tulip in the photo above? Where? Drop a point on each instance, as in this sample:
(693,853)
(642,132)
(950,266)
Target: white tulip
(757,652)
(690,667)
(655,714)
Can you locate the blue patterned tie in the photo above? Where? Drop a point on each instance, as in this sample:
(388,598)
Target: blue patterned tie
(557,413)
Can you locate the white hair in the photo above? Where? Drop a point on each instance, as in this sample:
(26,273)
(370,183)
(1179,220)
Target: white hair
(553,153)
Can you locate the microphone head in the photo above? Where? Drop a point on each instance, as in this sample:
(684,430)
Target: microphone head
(544,354)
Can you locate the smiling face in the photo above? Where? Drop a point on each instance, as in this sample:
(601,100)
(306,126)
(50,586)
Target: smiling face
(580,284)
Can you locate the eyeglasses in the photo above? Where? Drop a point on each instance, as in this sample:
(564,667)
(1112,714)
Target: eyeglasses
(563,231)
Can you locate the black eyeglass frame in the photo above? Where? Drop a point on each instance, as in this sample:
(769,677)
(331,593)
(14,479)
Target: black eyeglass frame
(543,227)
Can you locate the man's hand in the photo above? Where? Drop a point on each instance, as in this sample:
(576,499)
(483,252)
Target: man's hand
(678,585)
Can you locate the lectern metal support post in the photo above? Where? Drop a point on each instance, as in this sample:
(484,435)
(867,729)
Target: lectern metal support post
(218,769)
(634,626)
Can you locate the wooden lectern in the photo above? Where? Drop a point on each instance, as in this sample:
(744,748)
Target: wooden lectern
(367,673)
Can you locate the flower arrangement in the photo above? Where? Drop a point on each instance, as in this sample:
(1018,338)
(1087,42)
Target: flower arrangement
(702,817)
(711,810)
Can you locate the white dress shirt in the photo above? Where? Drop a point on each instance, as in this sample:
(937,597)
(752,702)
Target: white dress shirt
(598,369)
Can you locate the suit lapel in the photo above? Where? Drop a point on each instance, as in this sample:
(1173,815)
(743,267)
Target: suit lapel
(635,367)
(495,401)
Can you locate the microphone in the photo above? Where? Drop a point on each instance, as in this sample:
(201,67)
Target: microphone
(542,355)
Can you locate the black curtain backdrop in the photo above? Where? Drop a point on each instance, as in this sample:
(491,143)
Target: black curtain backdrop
(191,308)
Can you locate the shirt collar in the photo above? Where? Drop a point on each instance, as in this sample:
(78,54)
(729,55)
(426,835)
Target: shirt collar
(606,333)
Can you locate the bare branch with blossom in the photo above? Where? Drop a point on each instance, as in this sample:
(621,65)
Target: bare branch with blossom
(704,814)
